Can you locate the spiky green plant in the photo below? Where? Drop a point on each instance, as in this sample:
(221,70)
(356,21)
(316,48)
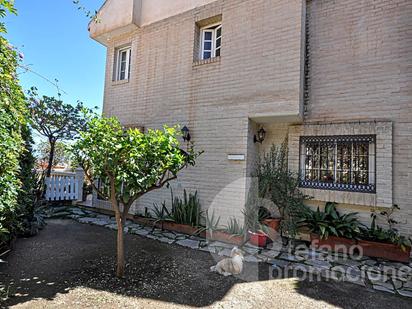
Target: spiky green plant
(235,228)
(186,210)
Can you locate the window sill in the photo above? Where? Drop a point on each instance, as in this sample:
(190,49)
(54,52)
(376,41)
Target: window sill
(206,61)
(343,197)
(120,82)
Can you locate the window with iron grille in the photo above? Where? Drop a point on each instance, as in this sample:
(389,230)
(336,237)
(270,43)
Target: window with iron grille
(345,163)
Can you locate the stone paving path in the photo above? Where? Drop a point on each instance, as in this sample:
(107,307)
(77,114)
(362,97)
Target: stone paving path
(299,260)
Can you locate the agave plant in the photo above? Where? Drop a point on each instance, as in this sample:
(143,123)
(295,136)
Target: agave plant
(212,222)
(233,227)
(186,210)
(331,223)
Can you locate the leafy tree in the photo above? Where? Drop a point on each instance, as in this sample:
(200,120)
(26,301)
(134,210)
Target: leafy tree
(130,163)
(13,119)
(61,153)
(55,120)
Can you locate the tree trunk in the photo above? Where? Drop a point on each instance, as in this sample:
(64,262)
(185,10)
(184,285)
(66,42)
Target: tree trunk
(120,246)
(51,157)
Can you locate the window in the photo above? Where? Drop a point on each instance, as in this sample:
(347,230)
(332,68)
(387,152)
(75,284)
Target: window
(211,41)
(344,163)
(123,57)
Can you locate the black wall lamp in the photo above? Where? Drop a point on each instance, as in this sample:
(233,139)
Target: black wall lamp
(186,134)
(260,136)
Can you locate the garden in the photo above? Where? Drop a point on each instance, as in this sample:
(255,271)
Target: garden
(277,228)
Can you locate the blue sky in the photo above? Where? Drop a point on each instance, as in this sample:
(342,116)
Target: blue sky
(52,34)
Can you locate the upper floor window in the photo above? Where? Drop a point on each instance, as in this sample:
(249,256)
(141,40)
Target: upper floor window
(211,41)
(123,59)
(344,163)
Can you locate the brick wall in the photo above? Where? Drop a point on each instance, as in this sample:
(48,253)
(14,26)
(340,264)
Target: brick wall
(259,71)
(360,55)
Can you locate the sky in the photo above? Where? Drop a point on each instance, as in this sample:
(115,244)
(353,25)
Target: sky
(53,36)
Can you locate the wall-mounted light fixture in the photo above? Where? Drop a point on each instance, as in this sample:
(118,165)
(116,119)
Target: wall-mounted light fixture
(186,134)
(260,136)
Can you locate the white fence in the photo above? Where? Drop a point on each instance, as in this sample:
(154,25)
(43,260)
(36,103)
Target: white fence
(65,186)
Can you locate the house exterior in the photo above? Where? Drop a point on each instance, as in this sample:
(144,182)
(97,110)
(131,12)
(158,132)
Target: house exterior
(334,77)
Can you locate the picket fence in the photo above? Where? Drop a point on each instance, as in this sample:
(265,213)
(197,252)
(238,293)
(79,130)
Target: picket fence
(65,186)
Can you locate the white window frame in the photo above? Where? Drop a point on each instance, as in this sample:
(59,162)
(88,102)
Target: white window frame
(213,30)
(119,52)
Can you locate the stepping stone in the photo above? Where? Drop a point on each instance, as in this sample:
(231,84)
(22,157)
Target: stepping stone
(251,250)
(319,264)
(385,287)
(347,262)
(112,226)
(141,232)
(78,211)
(166,240)
(251,259)
(207,249)
(407,293)
(225,252)
(279,263)
(358,280)
(291,257)
(193,244)
(270,253)
(221,245)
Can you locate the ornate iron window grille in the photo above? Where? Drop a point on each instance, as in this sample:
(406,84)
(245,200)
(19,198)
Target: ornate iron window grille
(332,182)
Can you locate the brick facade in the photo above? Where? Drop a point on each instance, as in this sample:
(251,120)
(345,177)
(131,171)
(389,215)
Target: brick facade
(358,77)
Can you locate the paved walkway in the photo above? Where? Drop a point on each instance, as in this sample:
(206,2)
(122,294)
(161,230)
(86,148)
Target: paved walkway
(301,261)
(71,265)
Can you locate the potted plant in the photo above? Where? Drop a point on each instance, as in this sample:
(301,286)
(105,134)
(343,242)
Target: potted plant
(232,233)
(331,230)
(385,243)
(281,186)
(258,238)
(266,218)
(256,231)
(183,217)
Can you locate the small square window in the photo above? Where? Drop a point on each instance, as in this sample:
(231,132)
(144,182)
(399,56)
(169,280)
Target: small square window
(211,41)
(122,68)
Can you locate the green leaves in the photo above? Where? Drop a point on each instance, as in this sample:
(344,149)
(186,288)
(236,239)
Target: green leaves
(135,162)
(389,235)
(277,183)
(186,210)
(331,222)
(13,119)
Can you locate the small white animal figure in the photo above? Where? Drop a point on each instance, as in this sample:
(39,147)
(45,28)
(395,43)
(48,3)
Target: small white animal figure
(230,266)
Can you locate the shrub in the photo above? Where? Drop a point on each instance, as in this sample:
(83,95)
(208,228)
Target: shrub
(186,210)
(281,186)
(390,235)
(233,227)
(13,118)
(331,223)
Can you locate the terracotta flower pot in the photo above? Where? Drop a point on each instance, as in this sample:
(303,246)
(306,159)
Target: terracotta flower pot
(258,239)
(180,228)
(273,223)
(333,243)
(225,237)
(384,250)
